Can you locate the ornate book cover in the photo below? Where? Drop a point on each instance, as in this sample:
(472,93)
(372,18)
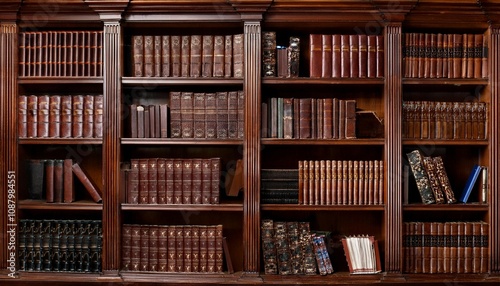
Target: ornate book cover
(417,166)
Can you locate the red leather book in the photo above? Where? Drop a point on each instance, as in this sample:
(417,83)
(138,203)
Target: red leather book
(172,248)
(327,118)
(88,116)
(58,181)
(68,186)
(222,114)
(188,259)
(175,114)
(305,183)
(77,120)
(207,55)
(66,116)
(427,55)
(228,56)
(322,182)
(175,55)
(211,115)
(195,52)
(187,179)
(98,116)
(126,247)
(380,55)
(305,107)
(433,55)
(203,245)
(132,190)
(164,120)
(484,63)
(162,249)
(319,118)
(336,55)
(22,117)
(363,55)
(215,180)
(161,181)
(144,260)
(153,250)
(470,55)
(143,181)
(206,181)
(187,122)
(219,255)
(196,181)
(157,52)
(478,54)
(465,55)
(169,181)
(218,56)
(199,115)
(195,248)
(238,55)
(87,183)
(49,181)
(241,115)
(326,56)
(179,248)
(141,123)
(288,118)
(147,122)
(185,55)
(211,249)
(152,180)
(149,60)
(43,116)
(439,55)
(138,55)
(178,168)
(135,249)
(345,57)
(350,119)
(165,56)
(317,182)
(232,114)
(312,182)
(457,46)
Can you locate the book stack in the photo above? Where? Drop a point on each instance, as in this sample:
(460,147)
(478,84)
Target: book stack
(428,55)
(60,245)
(279,186)
(445,247)
(149,121)
(60,53)
(277,60)
(60,116)
(309,118)
(346,56)
(445,120)
(173,181)
(217,115)
(431,178)
(288,248)
(52,180)
(188,55)
(341,182)
(362,254)
(172,248)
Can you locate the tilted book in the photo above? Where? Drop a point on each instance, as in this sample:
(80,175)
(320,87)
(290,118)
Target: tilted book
(415,159)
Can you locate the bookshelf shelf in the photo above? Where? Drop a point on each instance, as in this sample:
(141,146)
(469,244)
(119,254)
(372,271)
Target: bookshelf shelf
(360,142)
(323,81)
(290,207)
(181,81)
(180,141)
(444,81)
(447,207)
(60,141)
(193,278)
(183,207)
(42,205)
(454,142)
(60,80)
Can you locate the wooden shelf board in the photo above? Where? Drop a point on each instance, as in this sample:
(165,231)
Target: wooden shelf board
(180,141)
(280,141)
(42,205)
(183,207)
(445,81)
(173,278)
(446,207)
(59,141)
(324,81)
(445,142)
(335,278)
(159,81)
(59,80)
(293,207)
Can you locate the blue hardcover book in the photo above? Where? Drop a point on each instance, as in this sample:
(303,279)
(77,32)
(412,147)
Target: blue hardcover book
(471,181)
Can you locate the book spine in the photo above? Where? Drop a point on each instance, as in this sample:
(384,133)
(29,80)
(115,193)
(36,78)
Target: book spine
(165,56)
(238,55)
(195,55)
(177,176)
(222,115)
(186,112)
(152,180)
(416,163)
(215,180)
(175,114)
(232,116)
(269,54)
(228,56)
(133,183)
(149,61)
(143,181)
(43,116)
(175,55)
(354,56)
(218,56)
(68,189)
(293,57)
(157,51)
(88,116)
(169,181)
(187,179)
(22,118)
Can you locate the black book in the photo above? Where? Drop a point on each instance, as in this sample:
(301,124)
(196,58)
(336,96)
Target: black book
(36,177)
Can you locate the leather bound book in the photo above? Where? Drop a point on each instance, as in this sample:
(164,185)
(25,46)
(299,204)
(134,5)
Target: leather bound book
(146,122)
(305,107)
(350,119)
(361,183)
(482,119)
(484,61)
(188,258)
(22,118)
(370,166)
(99,53)
(232,117)
(178,168)
(268,54)
(222,114)
(203,243)
(87,183)
(342,119)
(326,56)
(175,55)
(317,186)
(296,118)
(319,118)
(164,120)
(49,181)
(345,58)
(77,120)
(273,117)
(380,55)
(354,55)
(376,182)
(417,119)
(187,179)
(371,57)
(43,117)
(288,118)
(264,115)
(153,250)
(448,119)
(98,116)
(88,116)
(335,118)
(215,180)
(208,53)
(218,56)
(337,173)
(435,185)
(68,186)
(470,55)
(301,182)
(187,122)
(432,119)
(439,120)
(199,115)
(219,255)
(327,118)
(425,118)
(165,56)
(421,55)
(126,247)
(195,52)
(196,181)
(477,57)
(144,260)
(241,115)
(152,181)
(439,55)
(345,182)
(433,56)
(305,182)
(157,46)
(238,55)
(467,247)
(464,55)
(456,120)
(418,169)
(162,249)
(363,55)
(282,61)
(169,181)
(293,57)
(140,121)
(179,249)
(171,248)
(447,53)
(468,120)
(206,181)
(149,60)
(476,247)
(175,114)
(413,56)
(427,55)
(485,258)
(58,181)
(135,249)
(161,181)
(211,249)
(336,55)
(54,116)
(132,190)
(66,116)
(328,182)
(381,183)
(228,56)
(143,181)
(133,121)
(211,115)
(23,52)
(457,46)
(444,181)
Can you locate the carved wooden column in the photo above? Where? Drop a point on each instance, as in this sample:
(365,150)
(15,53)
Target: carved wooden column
(393,149)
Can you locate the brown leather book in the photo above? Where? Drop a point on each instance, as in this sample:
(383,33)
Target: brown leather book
(144,248)
(335,118)
(477,57)
(425,120)
(315,55)
(206,179)
(343,175)
(171,248)
(482,119)
(470,55)
(433,56)
(154,120)
(484,63)
(328,182)
(468,120)
(218,56)
(143,181)
(177,168)
(69,195)
(380,55)
(336,55)
(345,58)
(87,183)
(195,53)
(54,116)
(363,55)
(135,249)
(485,257)
(317,183)
(138,55)
(464,55)
(66,116)
(49,181)
(439,55)
(196,181)
(88,116)
(301,182)
(268,54)
(175,114)
(468,247)
(438,119)
(23,53)
(342,119)
(98,116)
(264,119)
(162,248)
(152,180)
(175,55)
(232,116)
(149,60)
(476,247)
(305,106)
(169,181)
(141,123)
(376,182)
(238,55)
(132,190)
(273,117)
(417,119)
(179,248)
(371,182)
(153,248)
(203,244)
(430,169)
(282,61)
(350,119)
(187,180)
(426,247)
(447,55)
(126,247)
(185,55)
(241,114)
(219,255)
(215,180)
(327,118)
(199,115)
(319,118)
(211,249)
(361,183)
(58,181)
(99,61)
(43,116)
(165,56)
(456,120)
(22,117)
(413,57)
(454,246)
(43,53)
(211,115)
(187,251)
(288,118)
(208,53)
(420,55)
(305,180)
(164,120)
(448,119)
(427,55)
(326,56)
(157,46)
(161,181)
(457,46)
(228,56)
(77,119)
(222,114)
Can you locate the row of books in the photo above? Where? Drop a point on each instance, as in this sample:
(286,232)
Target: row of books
(291,248)
(341,182)
(207,114)
(173,181)
(60,53)
(60,116)
(52,180)
(188,55)
(431,178)
(279,186)
(346,56)
(446,247)
(277,60)
(445,120)
(173,248)
(60,245)
(362,254)
(316,118)
(149,121)
(429,55)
